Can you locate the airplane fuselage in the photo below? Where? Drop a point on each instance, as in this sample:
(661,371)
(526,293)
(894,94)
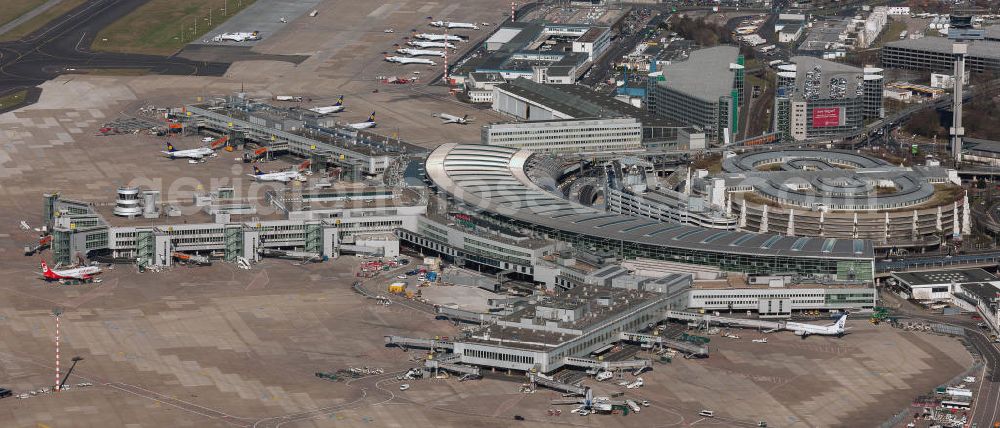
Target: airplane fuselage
(362,125)
(420,52)
(327,109)
(405,60)
(81,273)
(459,25)
(428,44)
(438,37)
(190,153)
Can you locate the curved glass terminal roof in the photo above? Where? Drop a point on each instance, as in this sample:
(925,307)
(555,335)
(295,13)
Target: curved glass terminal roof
(493,179)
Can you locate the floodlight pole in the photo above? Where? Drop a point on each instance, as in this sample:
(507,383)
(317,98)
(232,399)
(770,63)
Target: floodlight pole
(56,312)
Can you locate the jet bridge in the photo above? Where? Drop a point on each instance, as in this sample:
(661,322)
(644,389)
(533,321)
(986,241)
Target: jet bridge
(738,322)
(556,385)
(464,315)
(411,342)
(607,365)
(436,364)
(686,347)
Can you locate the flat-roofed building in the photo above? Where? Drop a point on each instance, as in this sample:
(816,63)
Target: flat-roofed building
(702,91)
(570,136)
(523,99)
(321,223)
(938,285)
(479,86)
(817,98)
(780,296)
(935,53)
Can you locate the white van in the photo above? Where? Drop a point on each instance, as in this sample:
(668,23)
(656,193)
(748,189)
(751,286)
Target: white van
(707,413)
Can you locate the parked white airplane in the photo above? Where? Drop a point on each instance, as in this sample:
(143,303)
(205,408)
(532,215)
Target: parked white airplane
(335,108)
(439,37)
(637,384)
(802,329)
(196,154)
(81,273)
(447,118)
(426,44)
(370,123)
(237,37)
(282,176)
(462,25)
(404,60)
(419,52)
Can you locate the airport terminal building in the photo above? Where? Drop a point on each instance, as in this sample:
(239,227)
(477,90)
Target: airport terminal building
(312,225)
(312,136)
(500,186)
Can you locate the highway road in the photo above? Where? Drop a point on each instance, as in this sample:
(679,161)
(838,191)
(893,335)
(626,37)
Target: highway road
(64,44)
(602,69)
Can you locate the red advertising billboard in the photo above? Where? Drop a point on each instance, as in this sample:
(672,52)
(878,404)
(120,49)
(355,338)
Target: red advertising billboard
(826,117)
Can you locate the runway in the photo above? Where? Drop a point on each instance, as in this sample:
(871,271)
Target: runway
(64,45)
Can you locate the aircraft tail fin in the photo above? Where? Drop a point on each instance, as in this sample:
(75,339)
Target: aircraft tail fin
(340,101)
(256,171)
(45,267)
(171,148)
(842,322)
(371,117)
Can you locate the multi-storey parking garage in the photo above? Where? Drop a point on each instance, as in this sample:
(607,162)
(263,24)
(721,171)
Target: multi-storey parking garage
(497,183)
(836,194)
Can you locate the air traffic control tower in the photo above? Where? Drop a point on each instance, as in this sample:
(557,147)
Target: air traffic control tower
(961,30)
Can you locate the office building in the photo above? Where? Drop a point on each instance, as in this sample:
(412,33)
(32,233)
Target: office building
(568,136)
(523,99)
